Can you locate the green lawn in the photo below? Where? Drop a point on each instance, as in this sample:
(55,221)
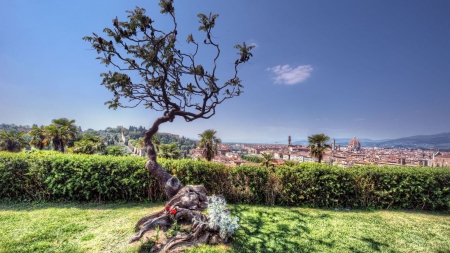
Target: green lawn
(56,227)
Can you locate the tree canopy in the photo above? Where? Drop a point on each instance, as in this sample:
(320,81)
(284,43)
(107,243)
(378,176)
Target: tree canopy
(169,151)
(89,144)
(170,81)
(38,137)
(114,151)
(61,131)
(267,159)
(318,146)
(209,141)
(12,141)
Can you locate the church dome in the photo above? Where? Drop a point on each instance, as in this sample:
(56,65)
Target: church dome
(354,143)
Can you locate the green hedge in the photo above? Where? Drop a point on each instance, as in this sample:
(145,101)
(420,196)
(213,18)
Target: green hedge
(52,176)
(56,176)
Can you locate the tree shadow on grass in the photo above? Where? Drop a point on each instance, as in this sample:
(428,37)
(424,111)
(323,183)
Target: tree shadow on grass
(371,244)
(272,229)
(443,251)
(374,244)
(27,206)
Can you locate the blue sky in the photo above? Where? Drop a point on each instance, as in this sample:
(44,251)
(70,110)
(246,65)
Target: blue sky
(371,69)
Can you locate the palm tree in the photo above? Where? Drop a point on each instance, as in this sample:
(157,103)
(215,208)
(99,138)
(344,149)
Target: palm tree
(71,128)
(61,132)
(54,132)
(267,159)
(209,142)
(318,146)
(290,163)
(38,138)
(169,151)
(12,141)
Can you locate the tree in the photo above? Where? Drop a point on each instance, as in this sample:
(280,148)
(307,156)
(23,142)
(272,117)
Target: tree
(61,131)
(209,142)
(89,144)
(114,151)
(54,133)
(318,146)
(267,159)
(38,137)
(169,151)
(172,81)
(12,141)
(291,163)
(59,136)
(251,158)
(71,129)
(110,138)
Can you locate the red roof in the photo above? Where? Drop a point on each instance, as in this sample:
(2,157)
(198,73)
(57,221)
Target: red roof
(354,142)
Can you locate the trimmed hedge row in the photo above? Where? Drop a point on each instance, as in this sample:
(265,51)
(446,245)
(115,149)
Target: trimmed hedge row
(56,176)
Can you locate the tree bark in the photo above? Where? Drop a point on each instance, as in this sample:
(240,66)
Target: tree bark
(184,203)
(170,183)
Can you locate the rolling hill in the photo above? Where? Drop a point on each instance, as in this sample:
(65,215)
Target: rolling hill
(435,141)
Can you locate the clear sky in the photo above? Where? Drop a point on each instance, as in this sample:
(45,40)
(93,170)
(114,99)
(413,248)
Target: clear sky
(371,69)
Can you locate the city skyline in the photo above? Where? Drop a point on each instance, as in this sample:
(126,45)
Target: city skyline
(375,70)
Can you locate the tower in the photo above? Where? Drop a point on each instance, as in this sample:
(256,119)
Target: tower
(289,141)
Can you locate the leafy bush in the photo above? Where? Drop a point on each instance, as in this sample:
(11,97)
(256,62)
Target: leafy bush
(315,185)
(248,184)
(214,176)
(53,176)
(46,175)
(251,158)
(114,151)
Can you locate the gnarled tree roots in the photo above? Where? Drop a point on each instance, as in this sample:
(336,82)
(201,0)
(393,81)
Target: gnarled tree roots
(186,205)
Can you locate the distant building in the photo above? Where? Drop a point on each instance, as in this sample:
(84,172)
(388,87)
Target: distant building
(354,145)
(440,160)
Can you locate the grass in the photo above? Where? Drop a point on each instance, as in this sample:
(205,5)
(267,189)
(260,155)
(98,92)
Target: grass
(71,227)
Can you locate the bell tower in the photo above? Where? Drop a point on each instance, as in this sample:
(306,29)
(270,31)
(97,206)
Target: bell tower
(289,141)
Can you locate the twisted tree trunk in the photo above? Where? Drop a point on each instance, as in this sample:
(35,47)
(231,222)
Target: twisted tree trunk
(185,203)
(171,184)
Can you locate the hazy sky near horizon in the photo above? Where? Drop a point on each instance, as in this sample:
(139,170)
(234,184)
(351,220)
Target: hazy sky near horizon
(370,69)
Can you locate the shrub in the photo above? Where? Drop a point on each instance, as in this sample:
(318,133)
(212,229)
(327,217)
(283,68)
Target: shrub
(47,175)
(315,185)
(248,184)
(114,151)
(251,158)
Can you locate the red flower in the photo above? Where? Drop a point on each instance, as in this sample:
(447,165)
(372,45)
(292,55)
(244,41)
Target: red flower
(174,211)
(167,208)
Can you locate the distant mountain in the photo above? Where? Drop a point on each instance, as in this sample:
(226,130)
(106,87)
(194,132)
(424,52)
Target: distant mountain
(345,141)
(435,141)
